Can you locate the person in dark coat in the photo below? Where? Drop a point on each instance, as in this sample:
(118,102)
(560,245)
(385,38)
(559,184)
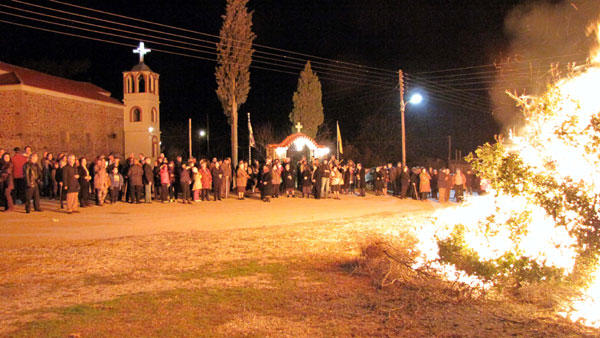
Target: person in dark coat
(135,174)
(61,193)
(32,173)
(289,181)
(126,191)
(184,184)
(306,179)
(217,180)
(177,171)
(84,182)
(404,182)
(361,182)
(379,181)
(316,179)
(148,179)
(443,185)
(414,184)
(469,184)
(6,181)
(434,181)
(266,185)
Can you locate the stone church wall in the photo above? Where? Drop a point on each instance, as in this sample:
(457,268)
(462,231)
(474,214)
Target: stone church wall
(59,124)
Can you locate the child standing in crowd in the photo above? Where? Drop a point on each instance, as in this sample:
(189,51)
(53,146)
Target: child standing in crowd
(116,184)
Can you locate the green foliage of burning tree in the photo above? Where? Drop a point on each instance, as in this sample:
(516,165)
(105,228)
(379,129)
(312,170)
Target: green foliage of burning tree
(233,62)
(308,105)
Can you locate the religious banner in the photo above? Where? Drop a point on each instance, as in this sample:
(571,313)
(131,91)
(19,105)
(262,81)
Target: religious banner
(251,133)
(339,138)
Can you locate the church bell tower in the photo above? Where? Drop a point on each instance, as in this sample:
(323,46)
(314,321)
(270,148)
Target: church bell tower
(141,115)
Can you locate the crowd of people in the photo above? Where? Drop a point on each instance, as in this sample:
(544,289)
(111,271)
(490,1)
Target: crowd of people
(26,176)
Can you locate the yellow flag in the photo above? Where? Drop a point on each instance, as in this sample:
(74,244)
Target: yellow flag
(339,138)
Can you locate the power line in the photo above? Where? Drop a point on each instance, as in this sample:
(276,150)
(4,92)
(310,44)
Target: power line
(499,64)
(211,46)
(346,78)
(348,75)
(443,88)
(218,37)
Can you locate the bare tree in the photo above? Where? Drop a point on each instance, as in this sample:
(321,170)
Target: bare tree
(233,62)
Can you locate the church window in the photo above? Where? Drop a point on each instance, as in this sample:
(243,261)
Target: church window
(135,115)
(154,115)
(129,84)
(141,84)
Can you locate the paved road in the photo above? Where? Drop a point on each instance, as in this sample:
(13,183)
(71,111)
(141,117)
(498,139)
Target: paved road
(111,221)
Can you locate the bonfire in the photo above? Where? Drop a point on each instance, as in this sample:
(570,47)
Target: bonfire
(539,222)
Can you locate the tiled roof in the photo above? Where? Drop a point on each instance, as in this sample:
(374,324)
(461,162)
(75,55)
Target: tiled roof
(19,75)
(141,67)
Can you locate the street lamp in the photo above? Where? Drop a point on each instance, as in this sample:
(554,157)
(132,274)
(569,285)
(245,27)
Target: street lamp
(203,133)
(416,98)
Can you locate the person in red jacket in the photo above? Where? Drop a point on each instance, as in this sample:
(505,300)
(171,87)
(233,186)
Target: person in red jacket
(19,160)
(206,181)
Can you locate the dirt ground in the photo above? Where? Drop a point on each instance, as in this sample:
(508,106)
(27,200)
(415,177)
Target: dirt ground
(122,219)
(235,268)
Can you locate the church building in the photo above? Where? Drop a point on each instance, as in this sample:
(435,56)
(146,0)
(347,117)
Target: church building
(54,114)
(59,115)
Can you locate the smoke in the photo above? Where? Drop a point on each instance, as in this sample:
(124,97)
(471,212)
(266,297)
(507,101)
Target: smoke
(545,39)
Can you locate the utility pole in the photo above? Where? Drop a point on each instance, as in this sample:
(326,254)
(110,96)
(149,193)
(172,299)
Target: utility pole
(402,109)
(449,150)
(207,136)
(190,137)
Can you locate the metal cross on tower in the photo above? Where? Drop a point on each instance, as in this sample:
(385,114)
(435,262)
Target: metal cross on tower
(142,51)
(299,126)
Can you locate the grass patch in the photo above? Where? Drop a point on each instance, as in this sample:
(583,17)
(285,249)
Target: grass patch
(241,268)
(97,279)
(179,312)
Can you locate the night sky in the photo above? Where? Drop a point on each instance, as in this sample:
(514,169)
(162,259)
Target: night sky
(417,36)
